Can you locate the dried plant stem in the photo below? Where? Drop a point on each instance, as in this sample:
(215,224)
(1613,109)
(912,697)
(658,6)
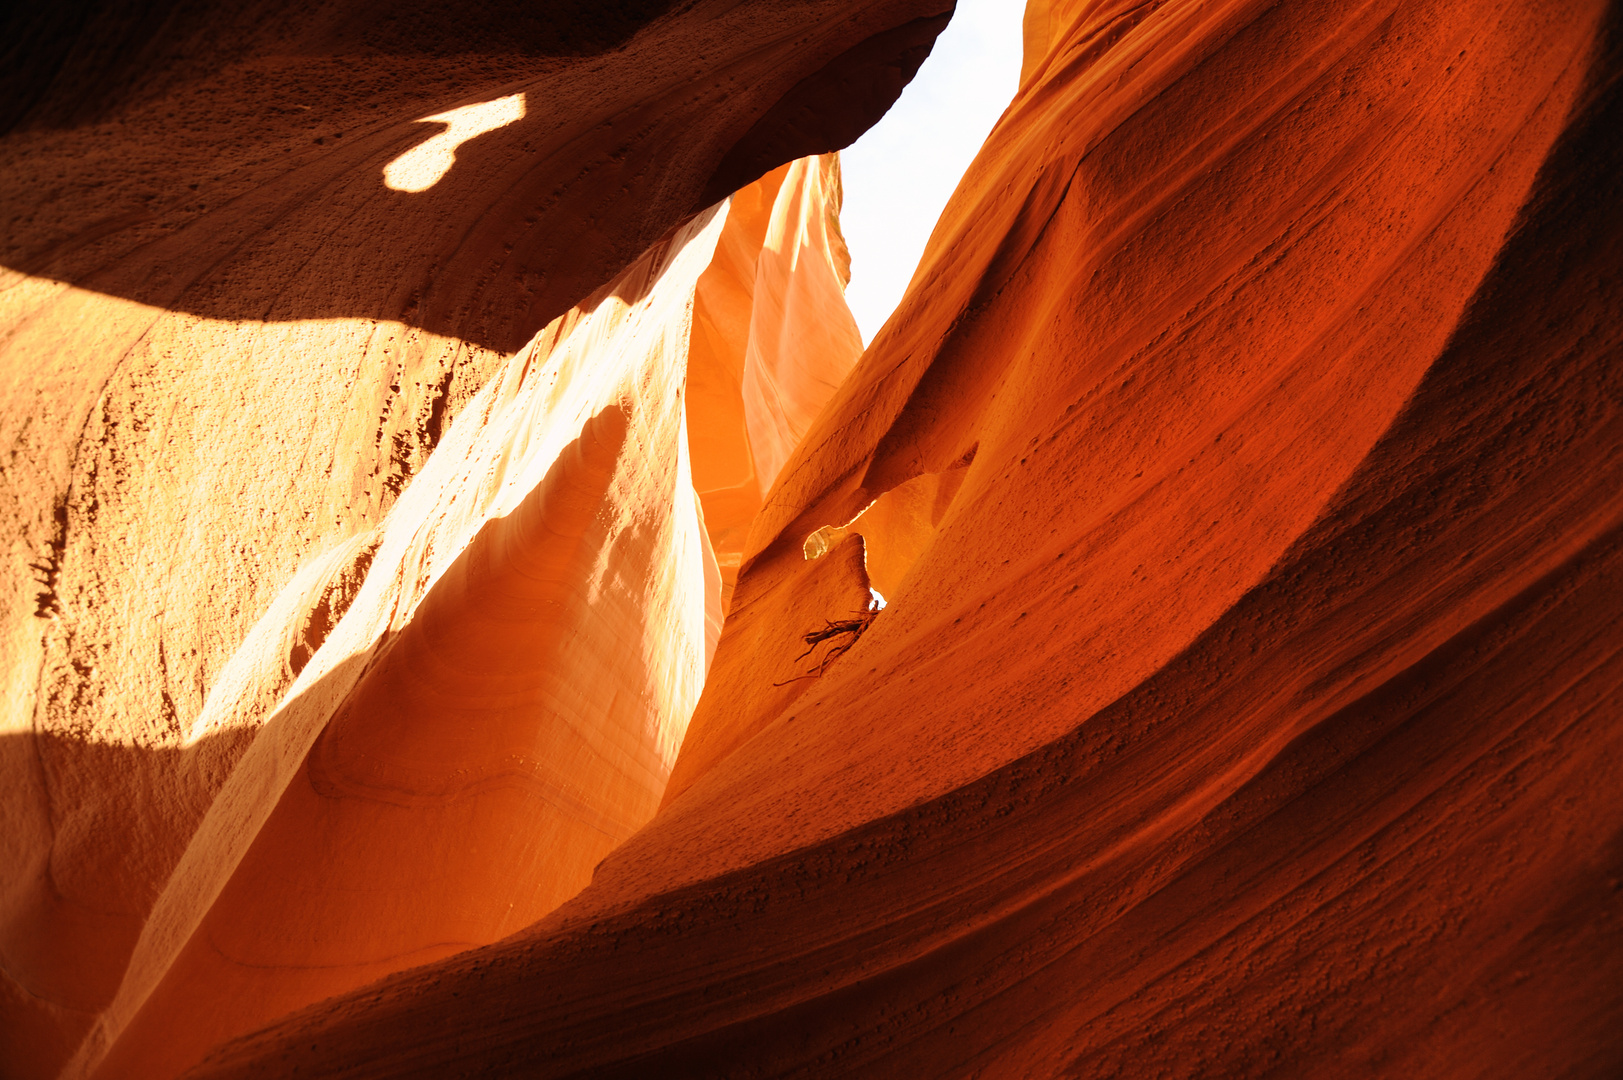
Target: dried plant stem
(849,629)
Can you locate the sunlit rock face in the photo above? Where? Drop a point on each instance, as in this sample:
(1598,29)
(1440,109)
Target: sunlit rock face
(243,309)
(772,339)
(518,670)
(1246,459)
(515,678)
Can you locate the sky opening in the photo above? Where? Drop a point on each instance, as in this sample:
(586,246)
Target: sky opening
(899,175)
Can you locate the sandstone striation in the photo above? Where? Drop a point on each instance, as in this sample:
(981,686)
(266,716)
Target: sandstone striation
(1240,472)
(243,309)
(772,339)
(1247,703)
(529,643)
(519,668)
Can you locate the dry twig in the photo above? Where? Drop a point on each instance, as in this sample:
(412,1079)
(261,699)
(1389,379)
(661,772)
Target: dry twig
(850,629)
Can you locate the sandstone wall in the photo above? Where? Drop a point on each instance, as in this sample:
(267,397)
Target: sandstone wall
(1250,707)
(239,319)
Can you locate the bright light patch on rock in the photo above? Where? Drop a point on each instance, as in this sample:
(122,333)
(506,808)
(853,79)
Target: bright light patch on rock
(426,164)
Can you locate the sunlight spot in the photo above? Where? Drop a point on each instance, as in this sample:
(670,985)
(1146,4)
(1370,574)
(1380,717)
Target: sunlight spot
(818,543)
(425,165)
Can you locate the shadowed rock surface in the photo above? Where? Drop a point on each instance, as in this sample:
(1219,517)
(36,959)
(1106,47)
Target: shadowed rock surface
(229,347)
(1252,708)
(1241,470)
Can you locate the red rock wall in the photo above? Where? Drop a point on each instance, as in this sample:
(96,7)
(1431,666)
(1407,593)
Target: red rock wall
(1251,708)
(518,671)
(515,678)
(235,332)
(772,339)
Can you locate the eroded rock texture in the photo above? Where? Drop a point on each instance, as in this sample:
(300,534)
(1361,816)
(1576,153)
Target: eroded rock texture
(516,676)
(323,419)
(1245,464)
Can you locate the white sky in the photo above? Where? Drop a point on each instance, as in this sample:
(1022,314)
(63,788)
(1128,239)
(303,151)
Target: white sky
(899,175)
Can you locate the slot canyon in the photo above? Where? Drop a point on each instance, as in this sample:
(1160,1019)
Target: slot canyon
(477,608)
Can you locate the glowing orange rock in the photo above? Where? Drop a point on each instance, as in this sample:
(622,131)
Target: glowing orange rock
(536,618)
(772,339)
(1259,678)
(768,664)
(530,642)
(249,281)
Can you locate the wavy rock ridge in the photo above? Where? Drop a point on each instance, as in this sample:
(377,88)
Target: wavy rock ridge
(502,700)
(1241,470)
(1250,708)
(238,330)
(517,673)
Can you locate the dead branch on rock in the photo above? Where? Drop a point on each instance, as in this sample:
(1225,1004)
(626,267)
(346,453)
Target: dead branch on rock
(849,629)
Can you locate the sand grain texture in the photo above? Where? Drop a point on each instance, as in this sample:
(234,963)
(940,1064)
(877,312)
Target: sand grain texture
(1252,707)
(229,350)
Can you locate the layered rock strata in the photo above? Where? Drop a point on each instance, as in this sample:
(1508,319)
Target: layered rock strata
(772,339)
(259,264)
(1246,702)
(517,673)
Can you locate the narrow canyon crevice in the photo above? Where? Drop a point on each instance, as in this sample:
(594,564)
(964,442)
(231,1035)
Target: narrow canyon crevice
(264,390)
(447,494)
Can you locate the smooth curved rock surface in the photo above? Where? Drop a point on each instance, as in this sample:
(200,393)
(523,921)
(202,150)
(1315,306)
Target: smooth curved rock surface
(1253,708)
(530,641)
(228,346)
(535,625)
(772,339)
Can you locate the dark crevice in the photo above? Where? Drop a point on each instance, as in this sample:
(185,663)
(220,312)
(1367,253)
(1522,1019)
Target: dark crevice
(48,604)
(335,601)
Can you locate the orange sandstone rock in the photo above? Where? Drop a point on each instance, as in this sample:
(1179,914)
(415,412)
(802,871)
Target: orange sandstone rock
(1250,710)
(238,317)
(772,338)
(521,664)
(769,663)
(517,673)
